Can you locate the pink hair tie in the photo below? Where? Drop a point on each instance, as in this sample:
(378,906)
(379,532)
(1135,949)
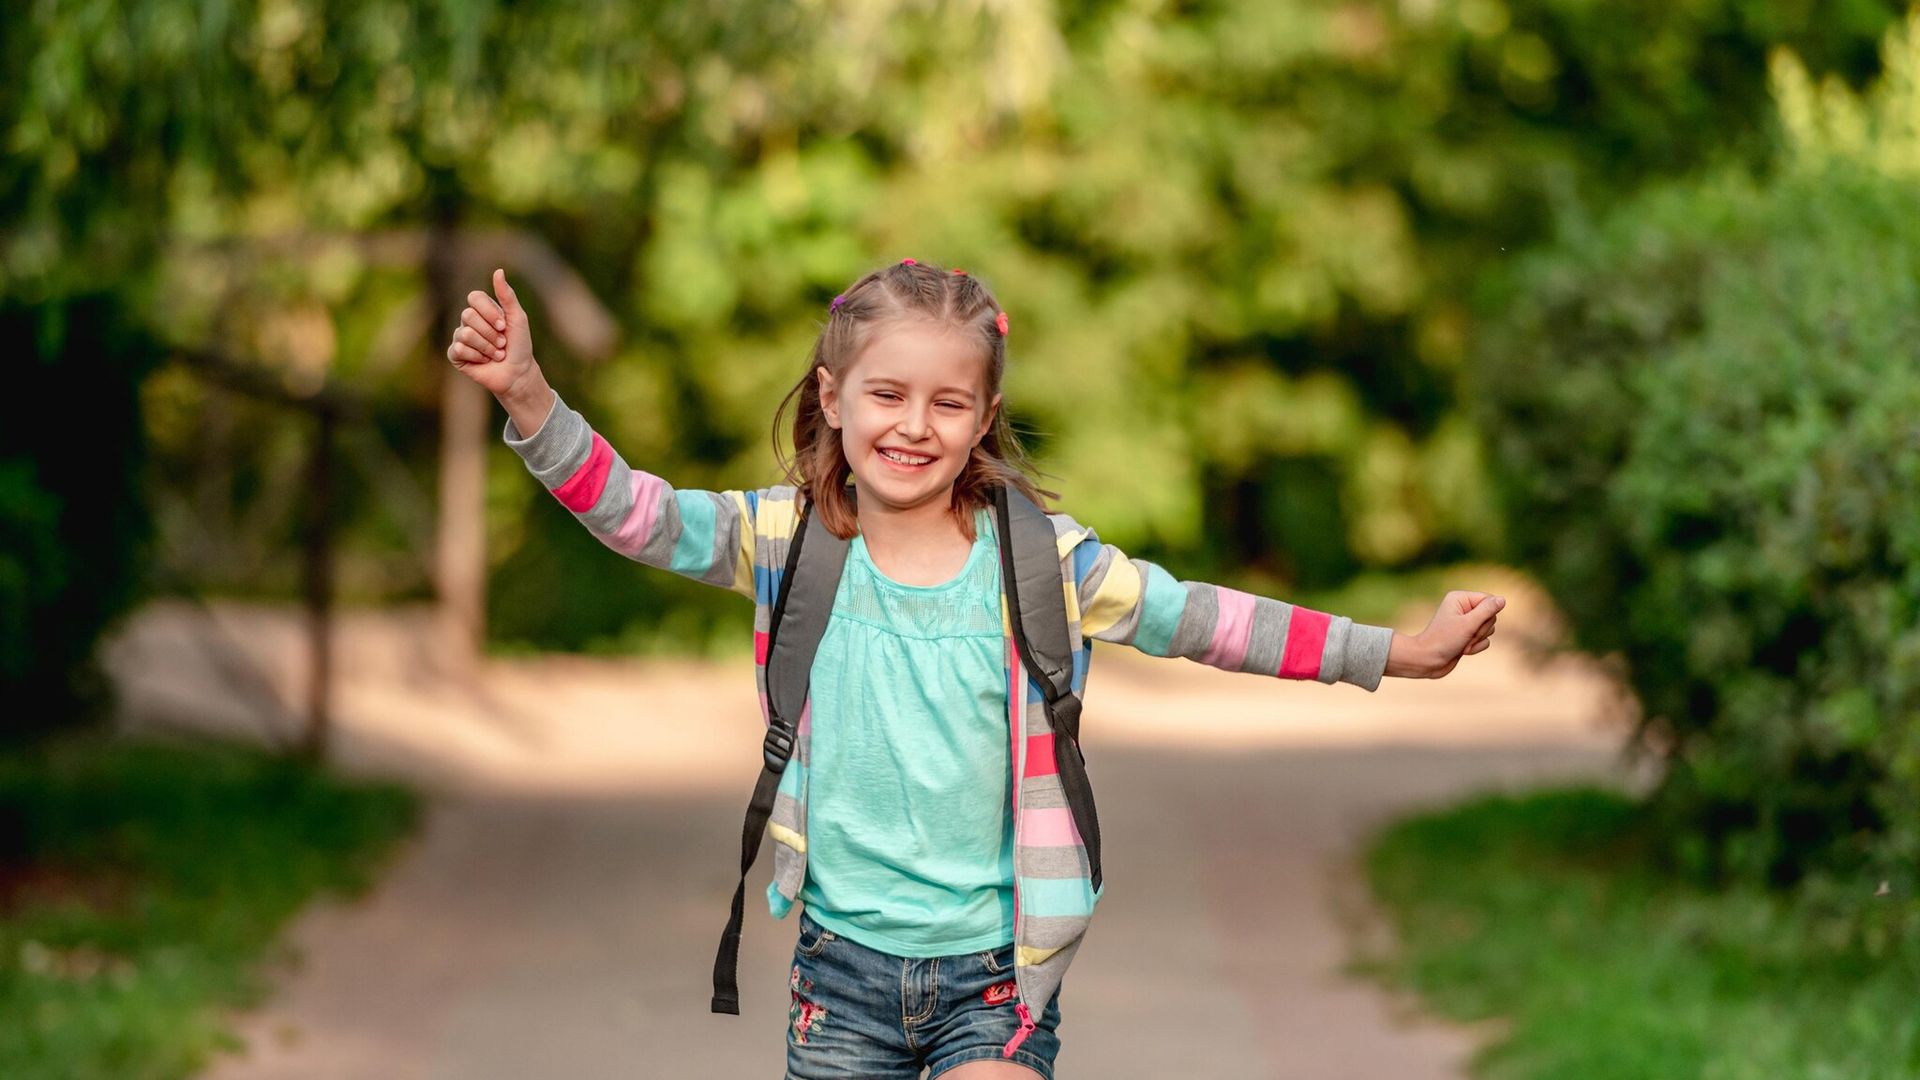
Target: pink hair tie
(1000,321)
(908,262)
(959,271)
(835,306)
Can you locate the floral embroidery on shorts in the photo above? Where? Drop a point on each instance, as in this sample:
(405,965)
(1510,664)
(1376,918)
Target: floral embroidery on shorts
(803,1015)
(998,993)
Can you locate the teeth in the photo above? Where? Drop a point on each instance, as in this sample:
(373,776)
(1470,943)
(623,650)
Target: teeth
(905,459)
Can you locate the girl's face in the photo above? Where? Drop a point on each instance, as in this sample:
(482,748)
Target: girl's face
(909,409)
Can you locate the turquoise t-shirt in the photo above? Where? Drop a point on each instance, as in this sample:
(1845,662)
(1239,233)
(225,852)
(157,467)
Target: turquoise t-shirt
(910,788)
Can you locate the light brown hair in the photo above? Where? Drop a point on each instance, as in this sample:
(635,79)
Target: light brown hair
(899,293)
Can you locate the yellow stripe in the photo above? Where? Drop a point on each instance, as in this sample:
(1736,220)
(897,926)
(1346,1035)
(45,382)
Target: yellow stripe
(1073,601)
(1115,599)
(777,519)
(1028,956)
(783,835)
(1069,542)
(743,562)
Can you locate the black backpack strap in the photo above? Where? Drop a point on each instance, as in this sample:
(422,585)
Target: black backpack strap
(799,620)
(1030,565)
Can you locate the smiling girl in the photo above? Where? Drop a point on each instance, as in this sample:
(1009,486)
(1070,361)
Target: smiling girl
(920,823)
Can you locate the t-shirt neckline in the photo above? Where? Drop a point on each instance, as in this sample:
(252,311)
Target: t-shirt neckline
(982,540)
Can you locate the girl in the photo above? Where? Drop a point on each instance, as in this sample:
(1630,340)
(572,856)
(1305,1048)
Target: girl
(944,887)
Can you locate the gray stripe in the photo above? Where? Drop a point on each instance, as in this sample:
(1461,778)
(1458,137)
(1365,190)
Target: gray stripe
(789,869)
(558,448)
(1052,931)
(786,812)
(1268,642)
(1333,649)
(1058,863)
(1064,525)
(607,513)
(1042,793)
(1195,630)
(658,550)
(1360,656)
(726,539)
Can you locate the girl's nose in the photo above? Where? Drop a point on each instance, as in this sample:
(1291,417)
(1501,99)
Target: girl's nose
(914,425)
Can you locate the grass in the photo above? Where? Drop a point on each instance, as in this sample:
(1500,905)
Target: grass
(1549,914)
(142,884)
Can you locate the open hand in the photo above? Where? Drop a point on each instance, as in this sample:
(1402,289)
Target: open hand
(1461,627)
(493,345)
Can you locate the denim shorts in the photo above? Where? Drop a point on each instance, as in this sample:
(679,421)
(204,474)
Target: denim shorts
(862,1013)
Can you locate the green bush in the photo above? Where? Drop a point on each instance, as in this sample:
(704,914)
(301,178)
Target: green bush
(1703,414)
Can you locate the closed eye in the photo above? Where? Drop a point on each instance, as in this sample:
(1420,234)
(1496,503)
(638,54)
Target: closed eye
(889,395)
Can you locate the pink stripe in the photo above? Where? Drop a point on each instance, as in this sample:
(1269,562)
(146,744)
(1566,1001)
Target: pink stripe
(1040,756)
(632,534)
(1232,628)
(760,648)
(582,489)
(1306,640)
(1051,827)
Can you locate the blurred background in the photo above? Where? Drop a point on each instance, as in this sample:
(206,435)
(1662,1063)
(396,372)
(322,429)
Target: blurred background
(1608,307)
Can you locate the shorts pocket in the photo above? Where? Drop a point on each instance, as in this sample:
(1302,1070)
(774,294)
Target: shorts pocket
(813,938)
(997,961)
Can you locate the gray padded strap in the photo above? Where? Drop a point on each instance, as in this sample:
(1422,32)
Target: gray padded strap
(1030,562)
(808,590)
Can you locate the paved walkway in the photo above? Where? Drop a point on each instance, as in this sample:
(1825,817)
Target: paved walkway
(557,916)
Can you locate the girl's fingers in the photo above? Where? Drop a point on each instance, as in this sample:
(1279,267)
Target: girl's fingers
(471,338)
(505,291)
(488,310)
(461,354)
(1478,647)
(488,333)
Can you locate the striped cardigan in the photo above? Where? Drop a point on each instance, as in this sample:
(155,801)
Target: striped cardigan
(738,540)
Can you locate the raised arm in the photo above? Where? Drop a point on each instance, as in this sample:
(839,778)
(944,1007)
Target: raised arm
(704,535)
(1135,602)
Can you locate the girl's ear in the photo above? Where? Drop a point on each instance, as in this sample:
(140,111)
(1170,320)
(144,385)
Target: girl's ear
(986,423)
(829,398)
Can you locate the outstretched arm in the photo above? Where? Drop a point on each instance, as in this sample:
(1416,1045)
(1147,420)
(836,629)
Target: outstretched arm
(704,535)
(1136,602)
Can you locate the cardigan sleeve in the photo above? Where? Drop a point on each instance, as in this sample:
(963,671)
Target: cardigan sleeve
(1135,602)
(704,535)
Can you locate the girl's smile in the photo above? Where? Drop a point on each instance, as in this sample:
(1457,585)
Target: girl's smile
(901,459)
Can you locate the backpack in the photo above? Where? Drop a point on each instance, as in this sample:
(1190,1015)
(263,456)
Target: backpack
(1037,613)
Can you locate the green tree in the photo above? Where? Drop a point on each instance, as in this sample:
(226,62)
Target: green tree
(1702,410)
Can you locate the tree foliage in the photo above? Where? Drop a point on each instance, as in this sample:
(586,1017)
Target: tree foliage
(1235,237)
(1704,411)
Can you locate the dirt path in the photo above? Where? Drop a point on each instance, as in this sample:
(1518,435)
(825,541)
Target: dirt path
(557,916)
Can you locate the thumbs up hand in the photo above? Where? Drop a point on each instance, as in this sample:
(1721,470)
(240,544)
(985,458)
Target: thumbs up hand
(493,345)
(1462,626)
